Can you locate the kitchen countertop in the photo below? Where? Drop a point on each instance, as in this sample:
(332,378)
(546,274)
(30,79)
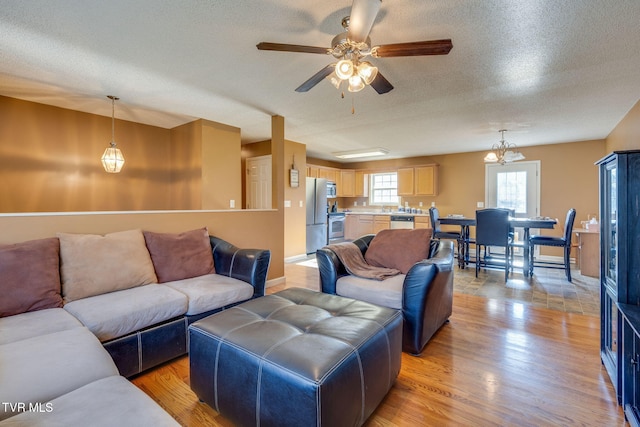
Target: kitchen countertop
(386,213)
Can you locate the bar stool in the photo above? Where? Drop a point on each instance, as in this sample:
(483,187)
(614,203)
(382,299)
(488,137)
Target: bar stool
(434,216)
(563,242)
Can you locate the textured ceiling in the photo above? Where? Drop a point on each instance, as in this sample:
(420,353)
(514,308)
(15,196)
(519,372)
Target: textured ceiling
(549,71)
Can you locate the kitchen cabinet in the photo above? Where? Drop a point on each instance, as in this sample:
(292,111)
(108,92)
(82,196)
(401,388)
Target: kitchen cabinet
(328,173)
(381,222)
(361,185)
(426,180)
(418,181)
(357,225)
(312,171)
(619,176)
(421,222)
(347,184)
(405,182)
(589,252)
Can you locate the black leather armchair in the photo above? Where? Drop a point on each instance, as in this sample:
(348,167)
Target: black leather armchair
(427,290)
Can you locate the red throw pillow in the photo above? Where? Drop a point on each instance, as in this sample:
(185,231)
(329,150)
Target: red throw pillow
(180,256)
(399,249)
(30,276)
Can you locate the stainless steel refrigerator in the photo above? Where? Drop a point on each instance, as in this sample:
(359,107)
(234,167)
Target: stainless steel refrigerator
(316,214)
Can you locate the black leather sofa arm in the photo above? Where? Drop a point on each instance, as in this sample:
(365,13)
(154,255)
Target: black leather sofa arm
(427,297)
(248,265)
(331,268)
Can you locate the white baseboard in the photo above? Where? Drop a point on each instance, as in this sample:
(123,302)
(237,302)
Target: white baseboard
(274,282)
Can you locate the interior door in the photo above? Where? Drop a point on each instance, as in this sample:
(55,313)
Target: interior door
(258,186)
(514,186)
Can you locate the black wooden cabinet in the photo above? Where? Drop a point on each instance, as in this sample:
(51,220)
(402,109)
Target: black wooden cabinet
(620,275)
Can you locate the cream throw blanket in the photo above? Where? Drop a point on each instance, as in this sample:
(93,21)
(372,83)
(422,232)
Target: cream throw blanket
(355,264)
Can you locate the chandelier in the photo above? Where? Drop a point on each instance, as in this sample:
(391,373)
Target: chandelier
(503,152)
(112,159)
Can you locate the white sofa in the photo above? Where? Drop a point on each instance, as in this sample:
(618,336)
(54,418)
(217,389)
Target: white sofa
(64,355)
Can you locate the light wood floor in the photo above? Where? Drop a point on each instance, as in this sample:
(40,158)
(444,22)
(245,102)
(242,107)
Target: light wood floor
(497,362)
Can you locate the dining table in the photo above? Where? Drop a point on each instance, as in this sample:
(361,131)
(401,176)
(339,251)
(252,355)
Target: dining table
(516,222)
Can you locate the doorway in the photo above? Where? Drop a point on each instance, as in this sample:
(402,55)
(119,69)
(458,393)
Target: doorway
(258,183)
(514,186)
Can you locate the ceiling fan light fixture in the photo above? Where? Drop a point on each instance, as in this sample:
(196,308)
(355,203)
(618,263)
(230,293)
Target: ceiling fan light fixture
(344,69)
(356,84)
(335,80)
(367,72)
(369,152)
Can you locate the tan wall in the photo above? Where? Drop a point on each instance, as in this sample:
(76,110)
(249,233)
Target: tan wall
(50,161)
(569,179)
(245,229)
(295,217)
(221,166)
(626,136)
(186,166)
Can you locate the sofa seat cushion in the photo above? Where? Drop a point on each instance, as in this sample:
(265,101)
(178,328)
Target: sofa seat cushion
(108,402)
(42,368)
(212,291)
(36,323)
(387,293)
(116,314)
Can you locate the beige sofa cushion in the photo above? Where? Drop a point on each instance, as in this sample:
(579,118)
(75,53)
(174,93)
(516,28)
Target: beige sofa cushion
(116,314)
(108,402)
(42,368)
(91,264)
(212,291)
(387,293)
(36,323)
(29,276)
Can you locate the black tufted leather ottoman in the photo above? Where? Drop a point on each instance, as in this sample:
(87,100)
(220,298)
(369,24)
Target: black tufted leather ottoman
(296,358)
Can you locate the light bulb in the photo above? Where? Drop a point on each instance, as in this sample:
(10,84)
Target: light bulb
(367,72)
(355,83)
(344,69)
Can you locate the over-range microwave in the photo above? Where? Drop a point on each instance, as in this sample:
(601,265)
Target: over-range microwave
(331,190)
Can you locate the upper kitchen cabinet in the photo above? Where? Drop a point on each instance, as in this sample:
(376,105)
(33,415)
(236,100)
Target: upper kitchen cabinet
(418,181)
(312,171)
(329,174)
(361,184)
(347,183)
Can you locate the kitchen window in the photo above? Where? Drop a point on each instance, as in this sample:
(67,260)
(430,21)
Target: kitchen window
(384,189)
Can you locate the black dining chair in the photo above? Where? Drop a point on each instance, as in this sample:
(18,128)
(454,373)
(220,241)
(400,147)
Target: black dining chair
(493,229)
(563,242)
(438,233)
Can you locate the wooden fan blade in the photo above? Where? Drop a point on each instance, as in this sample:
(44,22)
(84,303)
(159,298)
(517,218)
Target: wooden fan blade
(281,47)
(363,14)
(430,47)
(316,78)
(381,85)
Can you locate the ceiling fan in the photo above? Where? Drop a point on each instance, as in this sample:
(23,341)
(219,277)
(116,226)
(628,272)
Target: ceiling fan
(351,48)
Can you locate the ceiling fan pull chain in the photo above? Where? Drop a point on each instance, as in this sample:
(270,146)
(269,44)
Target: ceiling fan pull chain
(353,105)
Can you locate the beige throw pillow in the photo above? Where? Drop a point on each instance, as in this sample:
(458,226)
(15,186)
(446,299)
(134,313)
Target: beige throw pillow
(91,264)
